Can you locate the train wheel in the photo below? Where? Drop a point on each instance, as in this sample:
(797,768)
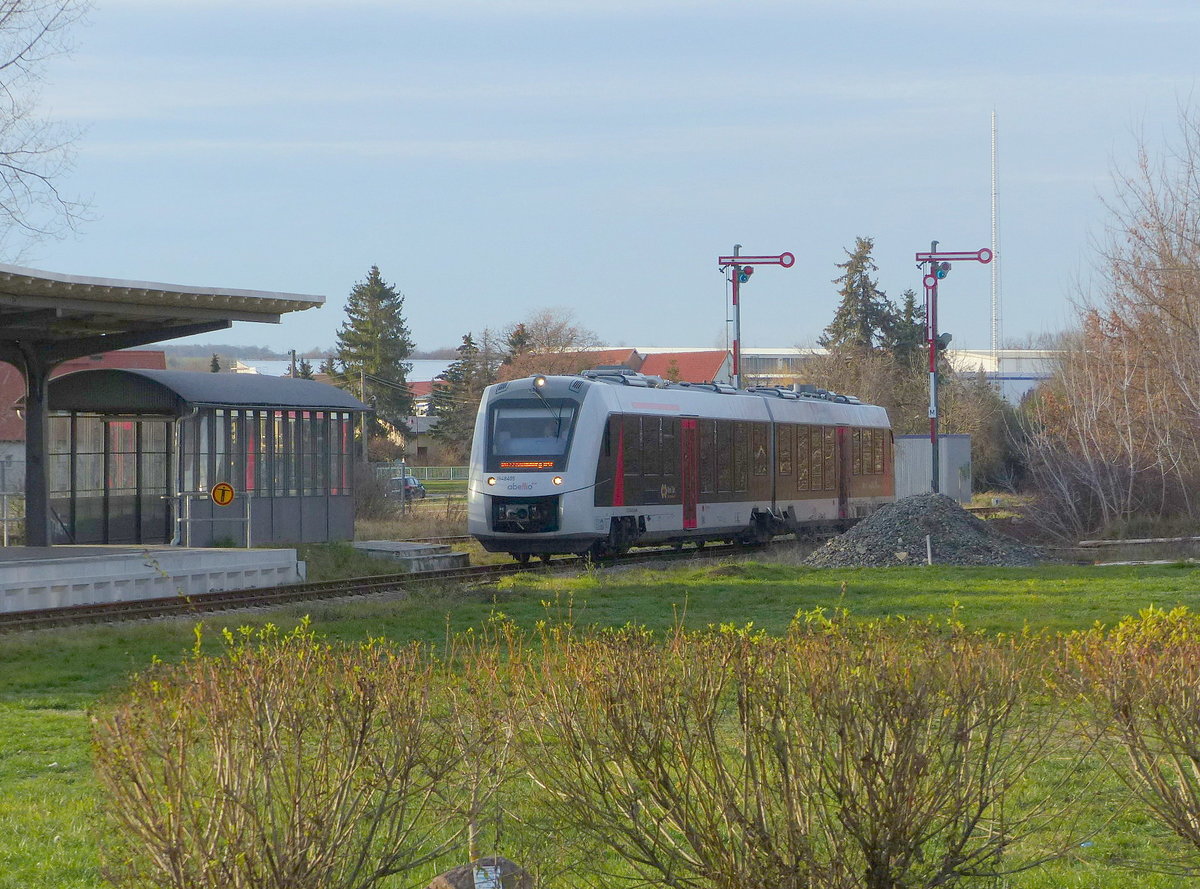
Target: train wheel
(522,558)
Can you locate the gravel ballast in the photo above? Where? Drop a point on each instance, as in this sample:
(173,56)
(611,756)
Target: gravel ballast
(895,535)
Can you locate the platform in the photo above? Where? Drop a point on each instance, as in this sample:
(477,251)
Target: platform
(61,576)
(414,556)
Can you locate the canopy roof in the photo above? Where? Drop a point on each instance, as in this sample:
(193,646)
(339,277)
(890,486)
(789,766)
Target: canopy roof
(139,391)
(51,308)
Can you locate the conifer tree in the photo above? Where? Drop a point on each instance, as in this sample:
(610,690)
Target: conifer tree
(904,335)
(374,342)
(456,396)
(864,313)
(215,364)
(305,370)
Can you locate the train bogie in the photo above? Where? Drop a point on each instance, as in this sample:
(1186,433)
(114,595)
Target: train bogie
(601,462)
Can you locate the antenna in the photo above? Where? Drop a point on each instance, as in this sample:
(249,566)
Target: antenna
(996,258)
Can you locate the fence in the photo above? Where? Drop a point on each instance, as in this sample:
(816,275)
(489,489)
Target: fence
(421,473)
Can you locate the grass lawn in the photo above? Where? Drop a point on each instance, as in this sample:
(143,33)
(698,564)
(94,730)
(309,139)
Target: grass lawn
(48,679)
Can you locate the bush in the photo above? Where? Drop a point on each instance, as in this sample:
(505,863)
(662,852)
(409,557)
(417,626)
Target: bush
(882,757)
(283,762)
(1141,683)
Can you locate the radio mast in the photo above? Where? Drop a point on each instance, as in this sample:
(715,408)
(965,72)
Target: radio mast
(996,259)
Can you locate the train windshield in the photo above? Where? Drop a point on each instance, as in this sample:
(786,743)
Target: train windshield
(531,435)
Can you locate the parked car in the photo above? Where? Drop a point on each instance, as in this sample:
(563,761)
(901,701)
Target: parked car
(406,486)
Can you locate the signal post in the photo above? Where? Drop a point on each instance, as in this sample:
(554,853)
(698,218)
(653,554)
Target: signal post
(743,268)
(938,268)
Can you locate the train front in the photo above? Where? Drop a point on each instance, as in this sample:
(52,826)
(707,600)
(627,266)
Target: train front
(533,467)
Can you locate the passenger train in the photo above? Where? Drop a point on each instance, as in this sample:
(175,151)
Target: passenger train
(609,459)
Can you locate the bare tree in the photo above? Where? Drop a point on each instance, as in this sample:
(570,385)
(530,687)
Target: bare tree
(34,151)
(1115,435)
(551,342)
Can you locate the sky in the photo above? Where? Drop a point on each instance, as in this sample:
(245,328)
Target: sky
(499,157)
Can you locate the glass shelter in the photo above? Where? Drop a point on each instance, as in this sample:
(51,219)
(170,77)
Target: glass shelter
(149,456)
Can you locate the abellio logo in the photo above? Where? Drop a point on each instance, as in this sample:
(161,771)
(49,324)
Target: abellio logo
(523,486)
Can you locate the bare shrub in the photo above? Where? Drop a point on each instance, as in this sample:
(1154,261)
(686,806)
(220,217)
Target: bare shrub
(1141,682)
(1113,435)
(884,757)
(923,743)
(284,762)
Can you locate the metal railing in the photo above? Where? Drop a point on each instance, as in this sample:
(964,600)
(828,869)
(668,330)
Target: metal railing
(385,471)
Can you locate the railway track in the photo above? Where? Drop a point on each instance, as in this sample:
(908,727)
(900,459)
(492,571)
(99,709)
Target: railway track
(142,609)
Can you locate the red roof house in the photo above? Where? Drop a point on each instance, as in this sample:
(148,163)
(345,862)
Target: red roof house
(689,367)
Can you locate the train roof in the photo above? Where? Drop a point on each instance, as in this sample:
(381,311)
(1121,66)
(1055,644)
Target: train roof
(780,402)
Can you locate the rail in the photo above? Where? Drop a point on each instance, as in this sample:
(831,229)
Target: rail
(136,609)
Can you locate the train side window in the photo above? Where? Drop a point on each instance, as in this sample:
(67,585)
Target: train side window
(758,448)
(783,449)
(670,446)
(741,456)
(706,434)
(856,439)
(726,459)
(803,458)
(816,462)
(606,438)
(651,446)
(877,449)
(633,445)
(827,452)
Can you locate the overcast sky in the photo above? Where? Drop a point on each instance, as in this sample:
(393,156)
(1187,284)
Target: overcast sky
(496,157)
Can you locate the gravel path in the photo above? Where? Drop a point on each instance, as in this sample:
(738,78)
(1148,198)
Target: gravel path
(895,535)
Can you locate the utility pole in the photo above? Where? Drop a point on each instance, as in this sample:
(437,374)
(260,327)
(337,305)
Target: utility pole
(939,268)
(742,268)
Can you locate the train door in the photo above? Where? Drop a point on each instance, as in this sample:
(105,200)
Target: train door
(689,470)
(845,463)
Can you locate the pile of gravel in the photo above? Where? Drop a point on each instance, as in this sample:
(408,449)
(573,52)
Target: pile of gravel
(895,535)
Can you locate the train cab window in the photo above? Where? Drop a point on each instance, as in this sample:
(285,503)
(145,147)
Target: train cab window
(532,430)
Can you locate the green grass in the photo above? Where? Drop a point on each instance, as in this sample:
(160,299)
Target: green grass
(48,679)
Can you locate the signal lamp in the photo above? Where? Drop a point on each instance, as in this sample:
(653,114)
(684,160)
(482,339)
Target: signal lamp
(491,480)
(943,340)
(558,479)
(744,273)
(941,269)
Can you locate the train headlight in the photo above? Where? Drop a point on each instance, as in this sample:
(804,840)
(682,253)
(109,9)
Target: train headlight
(558,479)
(492,480)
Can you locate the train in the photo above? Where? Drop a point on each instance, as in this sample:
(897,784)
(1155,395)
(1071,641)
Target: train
(608,459)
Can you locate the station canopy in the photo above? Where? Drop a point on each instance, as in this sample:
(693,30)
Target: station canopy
(47,318)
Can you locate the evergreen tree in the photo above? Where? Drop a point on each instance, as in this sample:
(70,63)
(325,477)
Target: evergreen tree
(456,396)
(517,343)
(305,370)
(864,314)
(215,364)
(328,369)
(374,342)
(904,335)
